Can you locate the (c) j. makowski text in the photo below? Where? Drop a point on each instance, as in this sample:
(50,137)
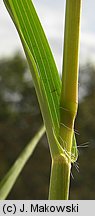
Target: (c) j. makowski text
(53,208)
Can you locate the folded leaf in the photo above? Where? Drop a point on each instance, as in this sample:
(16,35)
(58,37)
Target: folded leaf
(42,65)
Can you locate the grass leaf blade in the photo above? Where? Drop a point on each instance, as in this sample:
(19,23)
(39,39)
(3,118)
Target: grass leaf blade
(10,178)
(28,25)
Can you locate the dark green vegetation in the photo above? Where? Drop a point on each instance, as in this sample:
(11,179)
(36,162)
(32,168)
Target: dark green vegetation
(20,119)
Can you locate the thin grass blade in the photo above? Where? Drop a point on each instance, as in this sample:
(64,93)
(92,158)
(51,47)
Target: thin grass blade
(10,178)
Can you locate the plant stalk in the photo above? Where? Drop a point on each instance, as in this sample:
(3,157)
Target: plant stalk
(59,178)
(61,166)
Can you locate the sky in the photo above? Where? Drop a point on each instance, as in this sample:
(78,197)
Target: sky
(52,16)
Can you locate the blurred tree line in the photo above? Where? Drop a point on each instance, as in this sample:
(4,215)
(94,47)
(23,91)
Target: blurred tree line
(20,118)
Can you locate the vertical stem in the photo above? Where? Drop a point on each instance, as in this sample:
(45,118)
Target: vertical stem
(61,165)
(59,178)
(69,93)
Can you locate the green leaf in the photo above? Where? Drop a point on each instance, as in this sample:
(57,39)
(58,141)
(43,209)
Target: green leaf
(34,40)
(10,178)
(42,65)
(74,151)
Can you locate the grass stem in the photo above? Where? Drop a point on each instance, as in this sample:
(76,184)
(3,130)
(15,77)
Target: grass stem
(61,166)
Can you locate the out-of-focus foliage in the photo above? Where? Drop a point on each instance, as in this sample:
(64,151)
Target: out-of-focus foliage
(20,118)
(83,185)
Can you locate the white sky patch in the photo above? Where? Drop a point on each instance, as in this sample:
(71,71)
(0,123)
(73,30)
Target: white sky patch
(9,39)
(88,39)
(87,47)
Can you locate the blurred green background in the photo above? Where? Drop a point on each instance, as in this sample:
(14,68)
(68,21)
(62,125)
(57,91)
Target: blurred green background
(20,119)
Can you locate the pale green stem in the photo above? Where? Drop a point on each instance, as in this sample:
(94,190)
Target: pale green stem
(60,173)
(59,178)
(10,178)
